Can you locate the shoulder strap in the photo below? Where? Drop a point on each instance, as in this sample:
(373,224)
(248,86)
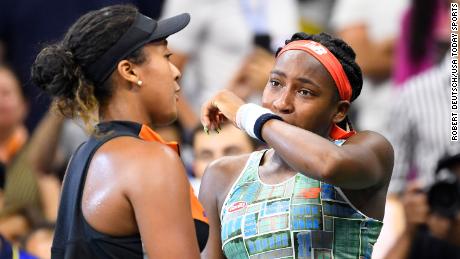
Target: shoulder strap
(251,169)
(69,224)
(247,174)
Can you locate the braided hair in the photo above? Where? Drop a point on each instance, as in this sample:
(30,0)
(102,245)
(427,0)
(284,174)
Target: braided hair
(59,69)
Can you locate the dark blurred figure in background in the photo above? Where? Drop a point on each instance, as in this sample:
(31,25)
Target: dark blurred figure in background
(9,251)
(13,133)
(432,218)
(2,182)
(26,25)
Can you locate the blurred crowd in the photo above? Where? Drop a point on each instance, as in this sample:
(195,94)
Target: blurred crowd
(402,47)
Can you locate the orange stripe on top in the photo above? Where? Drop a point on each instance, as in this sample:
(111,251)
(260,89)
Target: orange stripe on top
(147,133)
(335,69)
(197,209)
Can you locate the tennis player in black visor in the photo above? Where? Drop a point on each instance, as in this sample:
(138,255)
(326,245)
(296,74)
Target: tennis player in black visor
(125,188)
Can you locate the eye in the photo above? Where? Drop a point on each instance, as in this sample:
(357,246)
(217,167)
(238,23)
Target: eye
(305,92)
(168,56)
(274,83)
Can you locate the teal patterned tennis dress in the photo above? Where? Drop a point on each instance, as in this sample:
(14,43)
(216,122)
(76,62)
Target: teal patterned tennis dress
(298,218)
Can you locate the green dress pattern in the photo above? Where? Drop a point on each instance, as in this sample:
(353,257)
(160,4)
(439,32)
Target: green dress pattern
(298,218)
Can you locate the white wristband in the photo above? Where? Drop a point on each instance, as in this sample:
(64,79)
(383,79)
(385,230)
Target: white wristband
(247,115)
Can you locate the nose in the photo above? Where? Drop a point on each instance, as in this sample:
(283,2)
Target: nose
(176,73)
(284,103)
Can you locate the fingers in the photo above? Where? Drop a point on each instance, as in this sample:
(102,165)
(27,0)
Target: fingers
(415,204)
(205,116)
(223,106)
(211,117)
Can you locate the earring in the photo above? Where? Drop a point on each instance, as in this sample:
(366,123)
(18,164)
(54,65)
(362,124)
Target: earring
(139,82)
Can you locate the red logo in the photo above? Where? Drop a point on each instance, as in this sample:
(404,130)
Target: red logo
(237,206)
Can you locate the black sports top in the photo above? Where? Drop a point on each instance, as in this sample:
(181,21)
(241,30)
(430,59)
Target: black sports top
(74,237)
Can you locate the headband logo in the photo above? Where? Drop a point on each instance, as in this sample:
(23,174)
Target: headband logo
(318,49)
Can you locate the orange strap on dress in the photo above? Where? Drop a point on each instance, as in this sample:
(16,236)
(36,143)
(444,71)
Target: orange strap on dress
(147,133)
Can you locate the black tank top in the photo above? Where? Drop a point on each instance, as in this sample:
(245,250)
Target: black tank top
(74,237)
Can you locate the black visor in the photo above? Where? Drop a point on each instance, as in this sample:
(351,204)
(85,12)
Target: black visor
(143,30)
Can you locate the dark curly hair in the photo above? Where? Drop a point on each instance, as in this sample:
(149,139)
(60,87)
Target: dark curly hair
(59,69)
(344,54)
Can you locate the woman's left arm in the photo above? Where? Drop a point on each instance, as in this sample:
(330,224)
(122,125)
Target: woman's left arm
(366,159)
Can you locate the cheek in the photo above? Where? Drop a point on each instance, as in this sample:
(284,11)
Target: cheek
(157,71)
(314,116)
(11,111)
(267,97)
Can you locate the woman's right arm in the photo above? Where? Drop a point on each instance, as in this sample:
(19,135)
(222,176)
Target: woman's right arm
(218,178)
(209,189)
(158,191)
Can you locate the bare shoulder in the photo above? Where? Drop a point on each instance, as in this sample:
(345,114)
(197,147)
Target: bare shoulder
(373,140)
(138,163)
(221,174)
(374,143)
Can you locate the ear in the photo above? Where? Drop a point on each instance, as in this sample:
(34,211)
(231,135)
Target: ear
(341,111)
(127,70)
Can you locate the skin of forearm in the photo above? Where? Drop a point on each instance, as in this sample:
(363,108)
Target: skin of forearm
(44,142)
(310,153)
(318,158)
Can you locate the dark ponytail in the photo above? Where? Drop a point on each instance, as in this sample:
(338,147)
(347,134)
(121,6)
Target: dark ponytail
(59,69)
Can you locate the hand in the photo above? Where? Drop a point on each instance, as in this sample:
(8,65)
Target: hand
(224,105)
(415,206)
(253,74)
(387,46)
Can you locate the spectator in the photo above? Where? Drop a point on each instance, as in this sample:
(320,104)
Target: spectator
(39,240)
(33,178)
(419,126)
(219,39)
(15,225)
(430,232)
(229,141)
(8,251)
(13,134)
(371,28)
